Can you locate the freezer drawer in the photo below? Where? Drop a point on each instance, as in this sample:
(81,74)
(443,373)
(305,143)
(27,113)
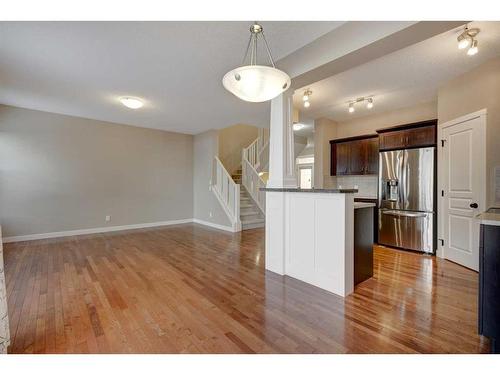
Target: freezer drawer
(406,229)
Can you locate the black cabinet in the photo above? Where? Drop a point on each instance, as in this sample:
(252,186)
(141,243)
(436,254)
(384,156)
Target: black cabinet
(489,285)
(354,156)
(375,215)
(363,244)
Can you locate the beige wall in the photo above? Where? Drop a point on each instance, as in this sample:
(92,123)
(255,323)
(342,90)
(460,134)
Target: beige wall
(324,130)
(475,90)
(206,206)
(369,124)
(63,173)
(231,141)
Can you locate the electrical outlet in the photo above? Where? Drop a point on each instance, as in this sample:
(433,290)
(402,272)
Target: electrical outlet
(107,218)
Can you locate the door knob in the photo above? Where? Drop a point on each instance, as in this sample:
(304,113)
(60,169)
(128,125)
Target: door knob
(473,205)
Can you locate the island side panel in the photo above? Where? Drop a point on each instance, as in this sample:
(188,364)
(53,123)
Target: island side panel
(275,232)
(319,240)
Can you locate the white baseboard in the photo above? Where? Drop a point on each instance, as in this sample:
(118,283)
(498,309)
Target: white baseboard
(39,236)
(216,226)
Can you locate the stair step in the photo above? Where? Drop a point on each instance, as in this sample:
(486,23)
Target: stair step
(251,224)
(249,213)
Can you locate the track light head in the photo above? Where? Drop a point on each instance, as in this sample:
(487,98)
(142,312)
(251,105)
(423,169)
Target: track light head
(473,48)
(369,105)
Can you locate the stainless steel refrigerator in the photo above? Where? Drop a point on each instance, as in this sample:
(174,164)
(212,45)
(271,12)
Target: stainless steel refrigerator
(406,199)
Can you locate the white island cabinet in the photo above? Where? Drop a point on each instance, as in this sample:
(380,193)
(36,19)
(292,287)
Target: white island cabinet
(309,236)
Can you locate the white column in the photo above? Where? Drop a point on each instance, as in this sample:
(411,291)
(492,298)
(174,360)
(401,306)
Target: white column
(281,175)
(281,143)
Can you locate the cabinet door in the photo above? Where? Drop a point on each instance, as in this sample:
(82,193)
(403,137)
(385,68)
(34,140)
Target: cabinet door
(357,157)
(392,140)
(421,137)
(342,158)
(371,156)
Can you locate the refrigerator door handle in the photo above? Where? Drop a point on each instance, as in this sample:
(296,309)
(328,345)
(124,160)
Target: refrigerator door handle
(403,213)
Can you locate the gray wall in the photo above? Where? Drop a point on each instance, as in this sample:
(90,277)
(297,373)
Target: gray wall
(62,173)
(206,147)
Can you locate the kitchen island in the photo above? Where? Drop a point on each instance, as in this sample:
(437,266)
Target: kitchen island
(310,235)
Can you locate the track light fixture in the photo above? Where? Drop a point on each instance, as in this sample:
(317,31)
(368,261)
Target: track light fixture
(306,97)
(369,103)
(468,39)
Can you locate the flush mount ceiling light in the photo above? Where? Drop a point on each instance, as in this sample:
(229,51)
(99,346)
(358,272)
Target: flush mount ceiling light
(256,83)
(298,126)
(306,97)
(468,39)
(369,103)
(130,102)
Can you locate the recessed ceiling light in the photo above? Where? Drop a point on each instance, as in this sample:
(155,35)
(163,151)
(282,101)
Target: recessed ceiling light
(132,103)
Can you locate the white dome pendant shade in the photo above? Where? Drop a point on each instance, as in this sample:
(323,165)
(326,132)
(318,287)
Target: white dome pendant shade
(256,83)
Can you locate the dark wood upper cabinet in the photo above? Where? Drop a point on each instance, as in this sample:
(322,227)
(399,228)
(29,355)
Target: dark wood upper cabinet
(421,137)
(420,134)
(354,156)
(357,157)
(340,159)
(372,155)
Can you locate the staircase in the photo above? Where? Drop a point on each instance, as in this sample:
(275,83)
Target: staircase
(250,215)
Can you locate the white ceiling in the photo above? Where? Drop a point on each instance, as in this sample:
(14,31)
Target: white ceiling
(401,79)
(81,68)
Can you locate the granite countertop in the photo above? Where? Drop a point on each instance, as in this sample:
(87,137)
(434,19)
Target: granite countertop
(363,205)
(490,217)
(298,190)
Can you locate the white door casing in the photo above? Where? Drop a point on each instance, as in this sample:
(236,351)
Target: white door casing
(462,183)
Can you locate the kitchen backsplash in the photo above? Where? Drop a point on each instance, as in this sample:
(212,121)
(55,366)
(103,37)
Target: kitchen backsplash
(367,185)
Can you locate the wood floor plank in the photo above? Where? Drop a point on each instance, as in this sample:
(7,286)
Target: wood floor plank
(192,289)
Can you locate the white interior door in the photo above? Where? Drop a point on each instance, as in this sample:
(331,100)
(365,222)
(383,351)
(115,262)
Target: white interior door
(305,177)
(463,184)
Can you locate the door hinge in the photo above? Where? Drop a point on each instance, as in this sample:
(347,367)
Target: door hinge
(442,241)
(442,142)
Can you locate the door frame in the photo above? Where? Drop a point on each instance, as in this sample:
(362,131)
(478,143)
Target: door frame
(482,115)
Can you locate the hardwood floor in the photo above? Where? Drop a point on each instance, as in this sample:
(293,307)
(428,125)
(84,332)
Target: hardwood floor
(191,289)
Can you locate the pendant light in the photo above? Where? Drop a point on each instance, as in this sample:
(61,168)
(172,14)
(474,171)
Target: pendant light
(253,82)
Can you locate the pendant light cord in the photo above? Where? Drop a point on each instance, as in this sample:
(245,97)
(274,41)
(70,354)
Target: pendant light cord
(252,43)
